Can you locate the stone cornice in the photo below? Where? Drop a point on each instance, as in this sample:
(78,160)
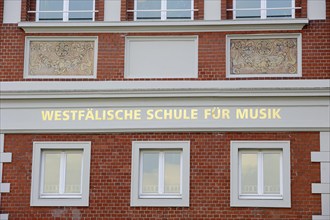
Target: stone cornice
(132,89)
(163,26)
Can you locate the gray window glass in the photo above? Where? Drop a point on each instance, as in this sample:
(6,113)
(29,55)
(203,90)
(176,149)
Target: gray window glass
(51,5)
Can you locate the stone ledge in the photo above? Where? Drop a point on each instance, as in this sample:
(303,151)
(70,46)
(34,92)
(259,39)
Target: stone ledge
(164,26)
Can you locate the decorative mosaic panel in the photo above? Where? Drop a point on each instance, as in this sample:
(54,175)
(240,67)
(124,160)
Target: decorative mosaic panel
(61,58)
(263,56)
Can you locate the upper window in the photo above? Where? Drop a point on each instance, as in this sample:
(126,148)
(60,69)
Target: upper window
(260,174)
(264,9)
(163,9)
(160,173)
(65,10)
(60,174)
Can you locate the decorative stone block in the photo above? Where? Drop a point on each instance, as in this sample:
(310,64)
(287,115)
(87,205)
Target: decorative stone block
(268,56)
(60,58)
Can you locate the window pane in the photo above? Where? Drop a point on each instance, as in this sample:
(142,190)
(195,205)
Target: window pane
(172,172)
(279,4)
(51,5)
(246,4)
(271,173)
(80,5)
(73,172)
(51,172)
(148,5)
(150,172)
(178,4)
(249,175)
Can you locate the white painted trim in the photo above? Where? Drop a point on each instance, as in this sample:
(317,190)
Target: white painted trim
(325,172)
(323,188)
(112,10)
(4,216)
(36,199)
(235,147)
(12,11)
(325,141)
(325,199)
(4,187)
(163,26)
(107,89)
(63,38)
(316,10)
(181,201)
(323,156)
(264,36)
(5,157)
(212,10)
(321,217)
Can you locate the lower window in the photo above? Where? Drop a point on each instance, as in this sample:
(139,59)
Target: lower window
(160,173)
(260,173)
(60,174)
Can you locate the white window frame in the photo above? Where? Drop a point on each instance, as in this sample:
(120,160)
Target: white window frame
(161,199)
(27,57)
(261,200)
(263,9)
(264,36)
(161,180)
(163,11)
(65,11)
(260,153)
(61,199)
(61,193)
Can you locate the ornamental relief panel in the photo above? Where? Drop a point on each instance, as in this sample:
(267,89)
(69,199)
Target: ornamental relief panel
(61,58)
(263,56)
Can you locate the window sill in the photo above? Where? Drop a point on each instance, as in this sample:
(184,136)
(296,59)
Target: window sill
(163,26)
(260,198)
(61,197)
(160,197)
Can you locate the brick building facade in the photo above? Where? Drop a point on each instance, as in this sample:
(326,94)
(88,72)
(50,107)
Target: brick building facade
(164,110)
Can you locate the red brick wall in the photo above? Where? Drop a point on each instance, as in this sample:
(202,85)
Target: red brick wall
(209,177)
(212,58)
(315,58)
